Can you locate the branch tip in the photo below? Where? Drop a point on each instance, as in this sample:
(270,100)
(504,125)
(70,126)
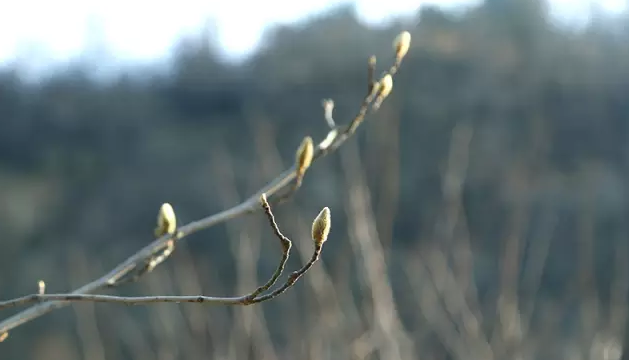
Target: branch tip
(371,69)
(385,87)
(303,156)
(321,226)
(166,220)
(401,44)
(328,108)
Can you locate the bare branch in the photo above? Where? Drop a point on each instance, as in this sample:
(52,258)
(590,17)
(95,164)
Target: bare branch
(157,251)
(139,300)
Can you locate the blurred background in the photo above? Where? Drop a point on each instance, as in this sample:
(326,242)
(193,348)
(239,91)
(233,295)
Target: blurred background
(482,213)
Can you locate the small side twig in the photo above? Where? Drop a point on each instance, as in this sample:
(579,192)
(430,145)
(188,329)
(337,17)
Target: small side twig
(320,231)
(292,278)
(286,246)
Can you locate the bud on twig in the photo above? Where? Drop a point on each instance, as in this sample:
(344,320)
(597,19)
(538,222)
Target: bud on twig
(386,85)
(304,155)
(41,287)
(166,220)
(401,45)
(321,226)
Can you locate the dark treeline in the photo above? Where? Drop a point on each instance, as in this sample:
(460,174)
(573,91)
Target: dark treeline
(85,165)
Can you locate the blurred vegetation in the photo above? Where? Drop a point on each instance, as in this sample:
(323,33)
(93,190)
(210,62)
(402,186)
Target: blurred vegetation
(84,167)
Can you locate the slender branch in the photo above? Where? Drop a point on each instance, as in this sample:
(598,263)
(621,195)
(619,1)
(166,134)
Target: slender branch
(49,302)
(127,300)
(286,246)
(139,300)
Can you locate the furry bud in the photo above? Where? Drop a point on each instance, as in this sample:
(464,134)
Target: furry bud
(166,220)
(321,226)
(304,155)
(401,44)
(386,85)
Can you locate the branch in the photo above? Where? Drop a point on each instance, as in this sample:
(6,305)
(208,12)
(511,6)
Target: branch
(157,251)
(248,299)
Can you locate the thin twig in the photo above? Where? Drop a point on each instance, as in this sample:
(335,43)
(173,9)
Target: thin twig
(286,246)
(292,279)
(127,300)
(49,302)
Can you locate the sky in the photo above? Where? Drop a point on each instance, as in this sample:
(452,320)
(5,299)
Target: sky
(38,33)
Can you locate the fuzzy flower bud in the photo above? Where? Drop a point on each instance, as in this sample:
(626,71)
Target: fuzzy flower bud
(304,155)
(386,85)
(401,44)
(166,220)
(321,226)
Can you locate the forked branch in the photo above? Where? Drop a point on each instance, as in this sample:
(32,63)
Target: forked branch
(254,297)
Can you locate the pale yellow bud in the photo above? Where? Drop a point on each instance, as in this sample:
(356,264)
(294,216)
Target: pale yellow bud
(304,155)
(41,287)
(386,85)
(401,44)
(166,220)
(321,226)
